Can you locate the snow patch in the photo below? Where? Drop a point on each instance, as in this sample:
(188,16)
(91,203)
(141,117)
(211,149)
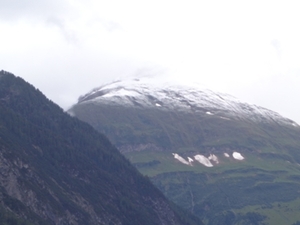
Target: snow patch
(206,161)
(121,92)
(180,159)
(226,155)
(237,156)
(224,118)
(203,160)
(214,158)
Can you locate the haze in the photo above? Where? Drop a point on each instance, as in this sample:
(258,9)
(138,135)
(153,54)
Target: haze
(65,48)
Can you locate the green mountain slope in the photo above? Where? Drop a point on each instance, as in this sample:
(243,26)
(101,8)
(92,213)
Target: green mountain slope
(262,188)
(55,169)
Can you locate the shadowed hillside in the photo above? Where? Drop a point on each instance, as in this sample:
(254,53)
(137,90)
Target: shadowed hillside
(58,170)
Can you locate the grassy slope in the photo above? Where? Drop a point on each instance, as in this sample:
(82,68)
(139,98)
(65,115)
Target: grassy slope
(273,181)
(268,176)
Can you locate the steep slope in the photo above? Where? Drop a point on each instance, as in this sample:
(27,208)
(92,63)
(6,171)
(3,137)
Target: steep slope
(226,161)
(55,169)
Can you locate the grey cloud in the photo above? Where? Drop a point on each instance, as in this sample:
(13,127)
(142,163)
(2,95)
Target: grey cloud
(52,13)
(12,10)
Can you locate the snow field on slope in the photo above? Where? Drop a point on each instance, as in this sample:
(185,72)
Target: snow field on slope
(206,161)
(169,95)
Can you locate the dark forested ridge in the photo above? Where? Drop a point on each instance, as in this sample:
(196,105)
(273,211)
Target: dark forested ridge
(55,169)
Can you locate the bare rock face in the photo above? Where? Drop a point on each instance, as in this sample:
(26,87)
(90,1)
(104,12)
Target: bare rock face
(13,175)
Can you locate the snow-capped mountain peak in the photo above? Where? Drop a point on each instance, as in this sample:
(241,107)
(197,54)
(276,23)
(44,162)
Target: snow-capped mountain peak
(166,94)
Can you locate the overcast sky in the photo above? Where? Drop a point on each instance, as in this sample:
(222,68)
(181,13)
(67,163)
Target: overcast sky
(65,48)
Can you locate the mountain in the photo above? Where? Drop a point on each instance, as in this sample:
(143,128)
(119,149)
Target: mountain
(226,161)
(55,169)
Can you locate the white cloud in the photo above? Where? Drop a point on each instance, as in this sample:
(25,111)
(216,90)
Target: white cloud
(247,49)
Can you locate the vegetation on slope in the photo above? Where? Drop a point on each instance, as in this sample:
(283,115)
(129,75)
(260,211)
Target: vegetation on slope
(232,192)
(172,130)
(59,170)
